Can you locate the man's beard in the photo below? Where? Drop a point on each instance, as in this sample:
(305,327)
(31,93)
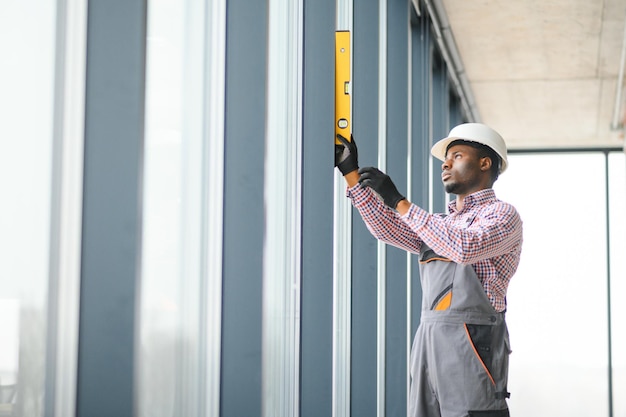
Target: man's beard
(451,188)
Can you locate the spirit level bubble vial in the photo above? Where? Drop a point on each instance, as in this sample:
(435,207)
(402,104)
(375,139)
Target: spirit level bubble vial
(343,111)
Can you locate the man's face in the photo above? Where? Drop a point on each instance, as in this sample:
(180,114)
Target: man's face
(461,173)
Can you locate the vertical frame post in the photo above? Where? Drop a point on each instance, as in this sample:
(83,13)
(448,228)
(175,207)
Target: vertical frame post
(342,271)
(283,203)
(66,216)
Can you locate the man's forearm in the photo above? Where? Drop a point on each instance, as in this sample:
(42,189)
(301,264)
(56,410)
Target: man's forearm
(352,178)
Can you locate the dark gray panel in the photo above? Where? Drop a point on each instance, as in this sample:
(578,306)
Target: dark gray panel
(111,252)
(420,136)
(317,210)
(246,36)
(440,123)
(420,121)
(456,111)
(365,123)
(398,14)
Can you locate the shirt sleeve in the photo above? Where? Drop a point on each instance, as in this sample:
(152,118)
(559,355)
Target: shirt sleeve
(497,230)
(383,223)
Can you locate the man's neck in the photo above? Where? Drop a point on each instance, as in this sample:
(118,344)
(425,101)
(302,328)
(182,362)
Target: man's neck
(460,199)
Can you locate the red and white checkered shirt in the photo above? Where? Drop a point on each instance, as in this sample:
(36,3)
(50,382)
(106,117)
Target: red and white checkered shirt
(486,233)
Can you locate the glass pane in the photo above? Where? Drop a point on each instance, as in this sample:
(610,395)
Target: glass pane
(160,290)
(27,32)
(173,350)
(557,301)
(617,207)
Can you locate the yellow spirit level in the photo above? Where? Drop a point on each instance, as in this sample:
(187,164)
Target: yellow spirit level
(343,113)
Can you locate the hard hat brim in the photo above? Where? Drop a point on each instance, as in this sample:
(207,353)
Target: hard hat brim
(439,150)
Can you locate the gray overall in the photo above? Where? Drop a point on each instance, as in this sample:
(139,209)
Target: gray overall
(460,355)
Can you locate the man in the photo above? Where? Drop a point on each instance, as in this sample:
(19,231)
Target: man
(459,358)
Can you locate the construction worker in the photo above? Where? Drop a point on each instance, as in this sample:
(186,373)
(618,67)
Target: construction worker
(459,358)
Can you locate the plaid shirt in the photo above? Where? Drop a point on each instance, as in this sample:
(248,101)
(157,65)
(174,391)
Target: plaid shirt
(486,233)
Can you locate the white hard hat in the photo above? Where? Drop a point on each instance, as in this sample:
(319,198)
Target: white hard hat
(472,132)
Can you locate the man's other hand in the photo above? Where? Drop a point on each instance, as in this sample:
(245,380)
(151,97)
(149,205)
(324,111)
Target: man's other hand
(381,183)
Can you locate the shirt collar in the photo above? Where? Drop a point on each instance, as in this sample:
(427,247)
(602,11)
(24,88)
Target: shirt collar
(475,199)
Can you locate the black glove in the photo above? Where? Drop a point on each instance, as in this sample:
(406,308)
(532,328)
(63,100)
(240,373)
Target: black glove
(382,184)
(346,155)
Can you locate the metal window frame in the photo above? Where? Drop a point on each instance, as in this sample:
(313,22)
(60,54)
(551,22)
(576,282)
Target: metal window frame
(202,211)
(214,167)
(342,271)
(66,208)
(381,248)
(283,205)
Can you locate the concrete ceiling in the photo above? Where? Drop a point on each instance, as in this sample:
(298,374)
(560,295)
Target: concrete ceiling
(543,72)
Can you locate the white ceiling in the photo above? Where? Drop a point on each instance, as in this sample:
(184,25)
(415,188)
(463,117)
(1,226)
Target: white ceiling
(543,72)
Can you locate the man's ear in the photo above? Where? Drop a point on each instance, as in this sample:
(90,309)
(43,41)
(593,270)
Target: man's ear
(485,163)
